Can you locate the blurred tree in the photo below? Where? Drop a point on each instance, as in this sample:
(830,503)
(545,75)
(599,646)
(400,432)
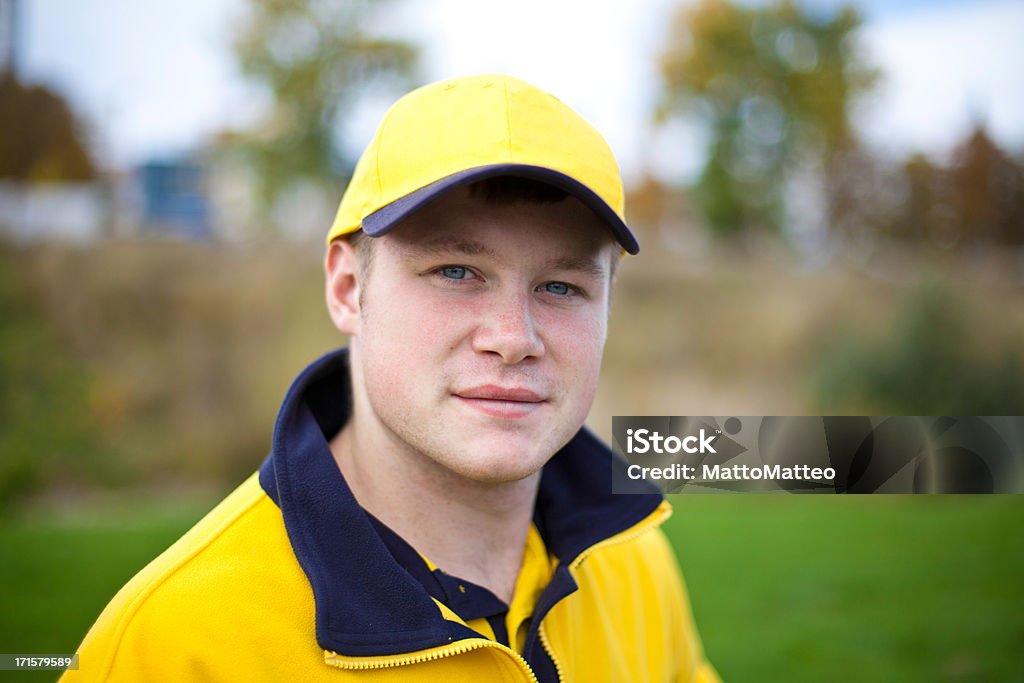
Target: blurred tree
(40,141)
(919,219)
(661,213)
(315,57)
(987,192)
(774,85)
(978,198)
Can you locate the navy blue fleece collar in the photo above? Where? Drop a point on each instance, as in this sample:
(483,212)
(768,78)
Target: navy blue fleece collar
(366,603)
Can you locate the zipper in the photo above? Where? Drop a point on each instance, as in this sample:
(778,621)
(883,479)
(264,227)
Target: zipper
(551,653)
(462,646)
(652,521)
(457,648)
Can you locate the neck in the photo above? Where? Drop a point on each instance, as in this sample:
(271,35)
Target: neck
(470,529)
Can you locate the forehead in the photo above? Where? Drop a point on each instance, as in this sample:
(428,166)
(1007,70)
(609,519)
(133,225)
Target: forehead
(561,230)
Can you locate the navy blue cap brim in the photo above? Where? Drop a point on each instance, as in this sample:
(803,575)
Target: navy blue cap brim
(382,220)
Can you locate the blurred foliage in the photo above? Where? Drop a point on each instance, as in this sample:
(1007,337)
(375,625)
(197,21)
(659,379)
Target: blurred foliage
(977,198)
(931,361)
(45,416)
(774,85)
(316,59)
(153,364)
(40,139)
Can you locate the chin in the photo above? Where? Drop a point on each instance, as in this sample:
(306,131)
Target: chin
(500,466)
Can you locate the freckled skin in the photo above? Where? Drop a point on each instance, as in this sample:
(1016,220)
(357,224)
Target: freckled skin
(464,295)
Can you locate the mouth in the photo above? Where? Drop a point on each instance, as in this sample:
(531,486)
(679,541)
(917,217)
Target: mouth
(508,403)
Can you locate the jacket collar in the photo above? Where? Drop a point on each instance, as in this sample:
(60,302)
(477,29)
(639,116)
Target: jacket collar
(366,603)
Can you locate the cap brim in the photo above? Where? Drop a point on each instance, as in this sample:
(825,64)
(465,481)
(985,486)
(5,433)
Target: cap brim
(385,218)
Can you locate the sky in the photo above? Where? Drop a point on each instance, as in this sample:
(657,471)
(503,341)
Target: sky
(154,78)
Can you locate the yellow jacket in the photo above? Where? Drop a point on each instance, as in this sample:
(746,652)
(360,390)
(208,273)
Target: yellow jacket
(286,580)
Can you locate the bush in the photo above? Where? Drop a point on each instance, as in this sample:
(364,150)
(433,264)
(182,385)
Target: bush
(930,364)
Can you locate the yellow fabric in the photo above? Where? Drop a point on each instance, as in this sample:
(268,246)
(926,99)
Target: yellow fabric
(229,602)
(473,122)
(534,576)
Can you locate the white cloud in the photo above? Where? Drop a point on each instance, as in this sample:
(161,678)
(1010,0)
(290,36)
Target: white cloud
(148,75)
(945,69)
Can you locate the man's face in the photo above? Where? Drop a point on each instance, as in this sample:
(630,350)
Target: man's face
(480,333)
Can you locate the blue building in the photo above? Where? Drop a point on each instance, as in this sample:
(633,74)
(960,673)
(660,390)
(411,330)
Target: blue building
(174,199)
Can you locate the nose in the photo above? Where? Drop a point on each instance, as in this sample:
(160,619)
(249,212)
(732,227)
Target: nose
(508,329)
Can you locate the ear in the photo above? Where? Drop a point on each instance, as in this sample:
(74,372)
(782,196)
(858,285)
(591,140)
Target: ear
(342,287)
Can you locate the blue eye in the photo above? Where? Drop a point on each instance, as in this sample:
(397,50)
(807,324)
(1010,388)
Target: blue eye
(454,272)
(558,288)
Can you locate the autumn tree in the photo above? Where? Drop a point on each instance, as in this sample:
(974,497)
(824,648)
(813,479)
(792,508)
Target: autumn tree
(774,86)
(977,198)
(987,192)
(41,140)
(315,58)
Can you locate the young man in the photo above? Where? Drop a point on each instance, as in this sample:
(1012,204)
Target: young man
(432,508)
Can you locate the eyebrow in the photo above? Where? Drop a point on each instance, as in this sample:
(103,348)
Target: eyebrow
(579,264)
(447,245)
(587,265)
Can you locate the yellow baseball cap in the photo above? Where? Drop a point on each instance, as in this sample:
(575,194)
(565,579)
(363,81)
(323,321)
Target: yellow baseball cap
(462,130)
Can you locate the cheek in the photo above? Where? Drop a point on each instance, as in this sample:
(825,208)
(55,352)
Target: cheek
(578,346)
(584,329)
(404,329)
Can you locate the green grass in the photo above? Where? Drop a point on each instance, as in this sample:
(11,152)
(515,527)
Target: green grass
(784,588)
(58,574)
(873,588)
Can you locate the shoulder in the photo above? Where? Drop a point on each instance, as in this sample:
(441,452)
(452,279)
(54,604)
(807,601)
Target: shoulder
(646,558)
(216,581)
(632,599)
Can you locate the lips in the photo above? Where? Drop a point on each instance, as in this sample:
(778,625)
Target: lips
(492,392)
(501,402)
